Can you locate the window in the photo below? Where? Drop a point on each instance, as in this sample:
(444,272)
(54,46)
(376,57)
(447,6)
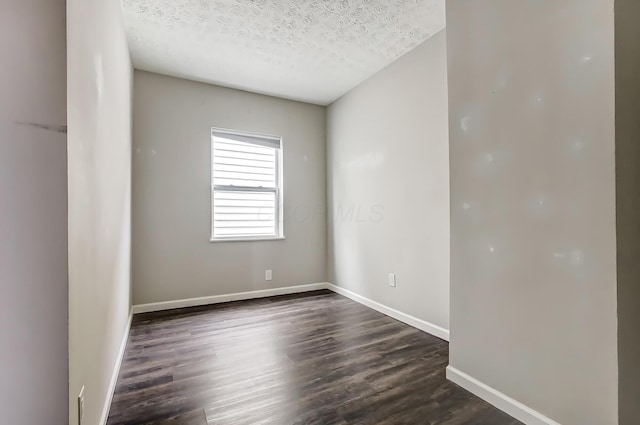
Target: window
(246,188)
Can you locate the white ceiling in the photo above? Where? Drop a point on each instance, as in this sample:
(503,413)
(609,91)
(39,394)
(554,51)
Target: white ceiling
(309,50)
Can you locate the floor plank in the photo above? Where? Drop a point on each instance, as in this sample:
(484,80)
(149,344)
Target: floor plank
(313,358)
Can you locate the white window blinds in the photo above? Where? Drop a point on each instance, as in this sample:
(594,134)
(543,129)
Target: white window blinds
(245,186)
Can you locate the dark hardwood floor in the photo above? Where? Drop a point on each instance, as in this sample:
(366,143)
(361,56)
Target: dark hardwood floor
(314,358)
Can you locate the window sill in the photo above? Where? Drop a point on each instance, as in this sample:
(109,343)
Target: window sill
(280,238)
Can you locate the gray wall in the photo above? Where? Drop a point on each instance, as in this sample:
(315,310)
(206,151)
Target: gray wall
(388,188)
(33,213)
(172,256)
(533,241)
(99,155)
(627,15)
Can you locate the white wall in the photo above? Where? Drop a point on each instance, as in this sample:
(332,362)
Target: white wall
(533,233)
(627,16)
(99,155)
(33,213)
(172,256)
(388,185)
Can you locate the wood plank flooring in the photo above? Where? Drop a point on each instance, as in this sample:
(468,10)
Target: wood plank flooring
(313,358)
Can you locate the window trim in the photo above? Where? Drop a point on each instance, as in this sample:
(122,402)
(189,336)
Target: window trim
(279,222)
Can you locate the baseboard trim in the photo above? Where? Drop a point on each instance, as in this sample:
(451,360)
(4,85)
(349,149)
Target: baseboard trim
(216,299)
(420,324)
(116,371)
(502,401)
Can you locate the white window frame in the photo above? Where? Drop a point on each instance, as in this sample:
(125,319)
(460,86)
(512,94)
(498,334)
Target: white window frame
(279,222)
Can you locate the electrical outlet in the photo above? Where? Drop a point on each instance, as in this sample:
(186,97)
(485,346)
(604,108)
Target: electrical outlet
(81,406)
(392,280)
(268,275)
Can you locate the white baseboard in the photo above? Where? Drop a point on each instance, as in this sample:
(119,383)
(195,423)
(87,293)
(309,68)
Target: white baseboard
(502,401)
(423,325)
(116,371)
(216,299)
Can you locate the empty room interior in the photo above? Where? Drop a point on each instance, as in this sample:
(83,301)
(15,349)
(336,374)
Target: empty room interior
(336,212)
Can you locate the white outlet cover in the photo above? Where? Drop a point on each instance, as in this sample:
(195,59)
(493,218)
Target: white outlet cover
(392,280)
(268,275)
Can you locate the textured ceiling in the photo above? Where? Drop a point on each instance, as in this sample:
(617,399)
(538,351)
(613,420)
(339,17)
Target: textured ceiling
(310,50)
